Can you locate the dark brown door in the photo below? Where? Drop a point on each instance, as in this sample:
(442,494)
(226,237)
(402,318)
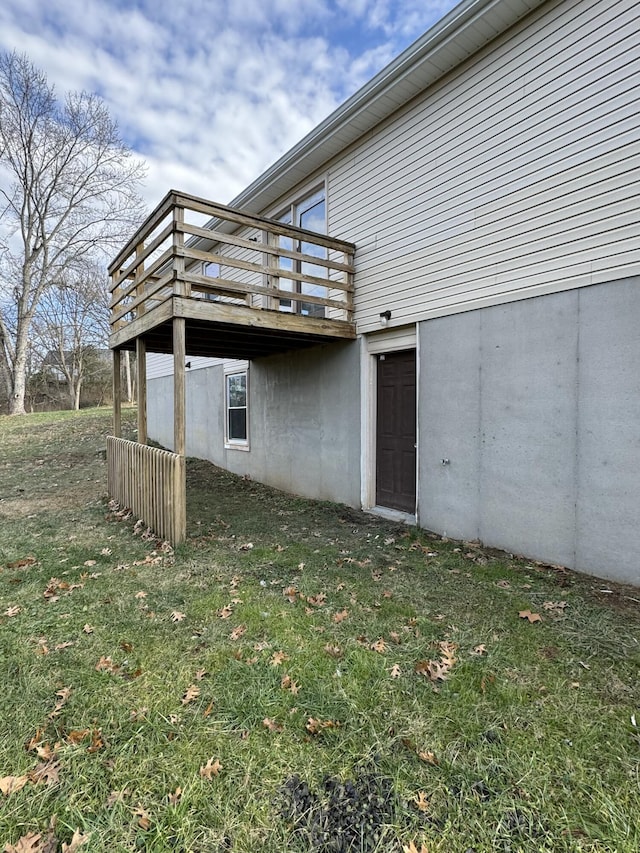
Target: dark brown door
(396,431)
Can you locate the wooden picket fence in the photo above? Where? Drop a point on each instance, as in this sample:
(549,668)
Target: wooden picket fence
(152,483)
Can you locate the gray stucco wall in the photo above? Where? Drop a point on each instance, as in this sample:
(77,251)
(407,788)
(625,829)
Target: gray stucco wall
(304,415)
(537,406)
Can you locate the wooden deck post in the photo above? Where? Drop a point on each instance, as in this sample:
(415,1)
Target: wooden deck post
(117,395)
(141,369)
(179,356)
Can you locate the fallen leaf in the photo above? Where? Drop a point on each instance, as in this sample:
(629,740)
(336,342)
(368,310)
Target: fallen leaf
(379,646)
(89,563)
(291,594)
(116,797)
(225,612)
(97,742)
(126,647)
(479,650)
(22,563)
(47,772)
(177,616)
(45,751)
(287,683)
(278,657)
(77,735)
(315,726)
(396,672)
(555,608)
(76,842)
(421,802)
(247,546)
(33,842)
(270,724)
(411,848)
(238,632)
(190,695)
(174,798)
(334,651)
(341,616)
(427,756)
(503,584)
(105,664)
(63,696)
(141,594)
(11,784)
(207,711)
(65,645)
(88,629)
(200,674)
(532,617)
(211,768)
(144,818)
(13,610)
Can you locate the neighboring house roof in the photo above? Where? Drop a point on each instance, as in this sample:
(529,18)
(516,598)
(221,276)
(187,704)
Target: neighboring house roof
(462,32)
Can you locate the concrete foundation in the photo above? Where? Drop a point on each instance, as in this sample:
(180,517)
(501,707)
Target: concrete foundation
(536,405)
(304,410)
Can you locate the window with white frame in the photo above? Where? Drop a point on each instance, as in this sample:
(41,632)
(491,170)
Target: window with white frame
(236,433)
(309,212)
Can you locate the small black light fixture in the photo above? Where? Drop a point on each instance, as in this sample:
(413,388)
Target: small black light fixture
(385,316)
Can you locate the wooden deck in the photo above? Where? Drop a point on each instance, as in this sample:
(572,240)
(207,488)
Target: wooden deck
(244,285)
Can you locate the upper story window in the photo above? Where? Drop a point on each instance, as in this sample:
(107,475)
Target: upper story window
(309,212)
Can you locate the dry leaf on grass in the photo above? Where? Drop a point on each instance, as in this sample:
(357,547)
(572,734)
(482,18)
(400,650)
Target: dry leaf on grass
(33,842)
(177,616)
(531,617)
(144,818)
(22,563)
(396,672)
(211,768)
(238,632)
(334,651)
(427,756)
(76,842)
(175,798)
(270,724)
(11,784)
(190,695)
(314,726)
(341,616)
(411,848)
(277,658)
(225,611)
(287,683)
(479,650)
(421,802)
(13,610)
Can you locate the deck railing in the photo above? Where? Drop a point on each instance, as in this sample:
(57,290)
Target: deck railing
(193,248)
(151,482)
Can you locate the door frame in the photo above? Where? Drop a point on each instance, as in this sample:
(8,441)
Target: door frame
(373,345)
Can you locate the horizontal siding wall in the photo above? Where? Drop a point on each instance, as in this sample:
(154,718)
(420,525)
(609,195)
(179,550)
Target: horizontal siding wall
(517,175)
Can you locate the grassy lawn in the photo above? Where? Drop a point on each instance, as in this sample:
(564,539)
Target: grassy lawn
(299,676)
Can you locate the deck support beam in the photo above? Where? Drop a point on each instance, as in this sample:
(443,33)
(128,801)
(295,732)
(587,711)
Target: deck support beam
(179,402)
(117,395)
(141,371)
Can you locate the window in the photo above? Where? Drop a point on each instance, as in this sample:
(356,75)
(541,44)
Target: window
(211,270)
(236,408)
(310,213)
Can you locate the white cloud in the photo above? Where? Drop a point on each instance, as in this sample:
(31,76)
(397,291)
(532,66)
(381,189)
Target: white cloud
(210,92)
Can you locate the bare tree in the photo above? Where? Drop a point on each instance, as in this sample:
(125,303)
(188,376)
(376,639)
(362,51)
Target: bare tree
(69,188)
(71,327)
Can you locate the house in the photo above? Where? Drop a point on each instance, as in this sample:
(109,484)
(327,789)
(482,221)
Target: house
(463,349)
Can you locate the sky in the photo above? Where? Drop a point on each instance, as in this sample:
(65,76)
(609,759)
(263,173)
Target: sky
(209,93)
